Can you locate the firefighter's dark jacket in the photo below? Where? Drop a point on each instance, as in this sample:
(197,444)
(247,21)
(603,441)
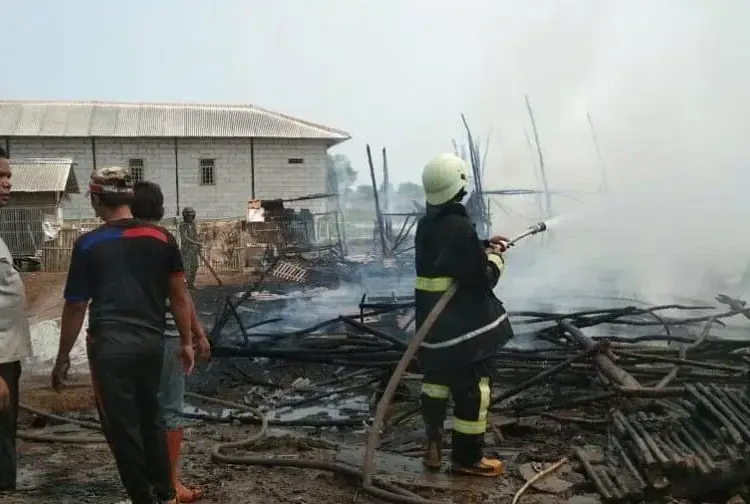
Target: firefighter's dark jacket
(474,324)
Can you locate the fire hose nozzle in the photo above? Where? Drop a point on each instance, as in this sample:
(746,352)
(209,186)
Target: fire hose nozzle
(538,227)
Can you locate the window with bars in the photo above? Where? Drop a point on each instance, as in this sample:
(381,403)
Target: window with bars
(208,174)
(136,169)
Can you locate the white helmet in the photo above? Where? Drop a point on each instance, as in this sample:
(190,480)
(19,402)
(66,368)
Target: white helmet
(443,178)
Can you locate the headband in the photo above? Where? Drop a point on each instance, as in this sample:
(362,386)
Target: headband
(102,188)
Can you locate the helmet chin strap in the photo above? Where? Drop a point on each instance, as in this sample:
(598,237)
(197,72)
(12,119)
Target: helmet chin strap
(462,196)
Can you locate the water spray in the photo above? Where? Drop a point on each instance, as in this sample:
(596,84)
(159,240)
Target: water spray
(537,228)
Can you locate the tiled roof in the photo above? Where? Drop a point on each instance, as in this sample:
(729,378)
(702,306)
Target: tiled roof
(113,119)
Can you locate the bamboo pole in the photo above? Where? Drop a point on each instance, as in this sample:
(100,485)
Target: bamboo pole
(542,170)
(378,214)
(602,167)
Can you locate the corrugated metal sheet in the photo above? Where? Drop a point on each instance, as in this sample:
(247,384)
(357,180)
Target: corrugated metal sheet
(97,119)
(43,175)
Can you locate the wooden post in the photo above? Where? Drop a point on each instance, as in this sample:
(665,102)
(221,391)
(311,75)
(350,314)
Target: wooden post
(387,224)
(378,214)
(537,177)
(605,186)
(542,171)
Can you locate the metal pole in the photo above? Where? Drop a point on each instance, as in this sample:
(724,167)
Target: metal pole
(176,179)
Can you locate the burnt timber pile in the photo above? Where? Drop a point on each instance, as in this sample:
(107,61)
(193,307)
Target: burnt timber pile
(668,410)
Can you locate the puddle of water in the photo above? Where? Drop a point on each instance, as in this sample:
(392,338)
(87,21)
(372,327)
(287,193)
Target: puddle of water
(215,412)
(335,409)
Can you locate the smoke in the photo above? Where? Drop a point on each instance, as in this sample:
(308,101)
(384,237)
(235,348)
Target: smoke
(670,239)
(303,307)
(669,94)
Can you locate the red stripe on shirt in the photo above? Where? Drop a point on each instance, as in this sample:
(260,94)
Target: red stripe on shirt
(145,232)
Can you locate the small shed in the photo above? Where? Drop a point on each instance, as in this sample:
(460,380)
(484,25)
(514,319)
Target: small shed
(34,213)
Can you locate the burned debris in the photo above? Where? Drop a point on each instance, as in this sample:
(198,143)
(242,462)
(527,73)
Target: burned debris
(657,400)
(645,402)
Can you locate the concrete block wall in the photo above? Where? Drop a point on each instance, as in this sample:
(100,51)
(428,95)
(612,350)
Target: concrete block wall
(276,178)
(227,198)
(158,162)
(232,176)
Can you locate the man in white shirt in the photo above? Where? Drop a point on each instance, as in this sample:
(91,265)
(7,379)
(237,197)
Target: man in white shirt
(15,344)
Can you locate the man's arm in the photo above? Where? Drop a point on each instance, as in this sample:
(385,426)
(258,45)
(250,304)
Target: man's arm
(77,294)
(202,345)
(71,324)
(4,395)
(179,300)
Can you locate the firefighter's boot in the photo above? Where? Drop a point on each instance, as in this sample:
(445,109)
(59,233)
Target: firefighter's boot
(489,467)
(433,455)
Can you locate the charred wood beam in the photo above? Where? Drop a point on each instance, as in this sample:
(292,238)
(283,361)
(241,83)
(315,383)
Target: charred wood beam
(614,373)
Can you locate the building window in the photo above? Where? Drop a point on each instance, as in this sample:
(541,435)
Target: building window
(208,177)
(296,160)
(136,169)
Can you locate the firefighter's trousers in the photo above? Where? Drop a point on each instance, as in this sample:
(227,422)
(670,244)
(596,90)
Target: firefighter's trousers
(470,386)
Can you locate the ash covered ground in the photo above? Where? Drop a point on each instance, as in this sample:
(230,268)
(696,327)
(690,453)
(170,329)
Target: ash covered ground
(320,408)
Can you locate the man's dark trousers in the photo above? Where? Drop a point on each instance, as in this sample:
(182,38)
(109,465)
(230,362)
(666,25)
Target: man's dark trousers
(126,388)
(10,372)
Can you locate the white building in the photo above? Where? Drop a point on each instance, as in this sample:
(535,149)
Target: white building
(212,157)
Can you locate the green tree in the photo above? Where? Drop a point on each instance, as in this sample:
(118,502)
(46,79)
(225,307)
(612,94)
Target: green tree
(364,192)
(340,174)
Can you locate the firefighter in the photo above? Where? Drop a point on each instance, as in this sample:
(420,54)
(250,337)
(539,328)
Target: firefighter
(456,355)
(190,245)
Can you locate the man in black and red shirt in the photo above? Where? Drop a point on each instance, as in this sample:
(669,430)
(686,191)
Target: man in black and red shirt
(126,269)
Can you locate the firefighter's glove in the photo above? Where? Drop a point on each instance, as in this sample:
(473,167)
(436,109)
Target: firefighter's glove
(500,243)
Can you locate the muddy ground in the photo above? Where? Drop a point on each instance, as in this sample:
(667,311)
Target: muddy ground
(82,473)
(85,473)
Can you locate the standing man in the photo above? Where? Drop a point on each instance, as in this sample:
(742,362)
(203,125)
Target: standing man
(127,270)
(148,205)
(15,344)
(456,354)
(190,245)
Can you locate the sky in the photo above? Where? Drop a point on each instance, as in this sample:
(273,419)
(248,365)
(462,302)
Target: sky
(666,82)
